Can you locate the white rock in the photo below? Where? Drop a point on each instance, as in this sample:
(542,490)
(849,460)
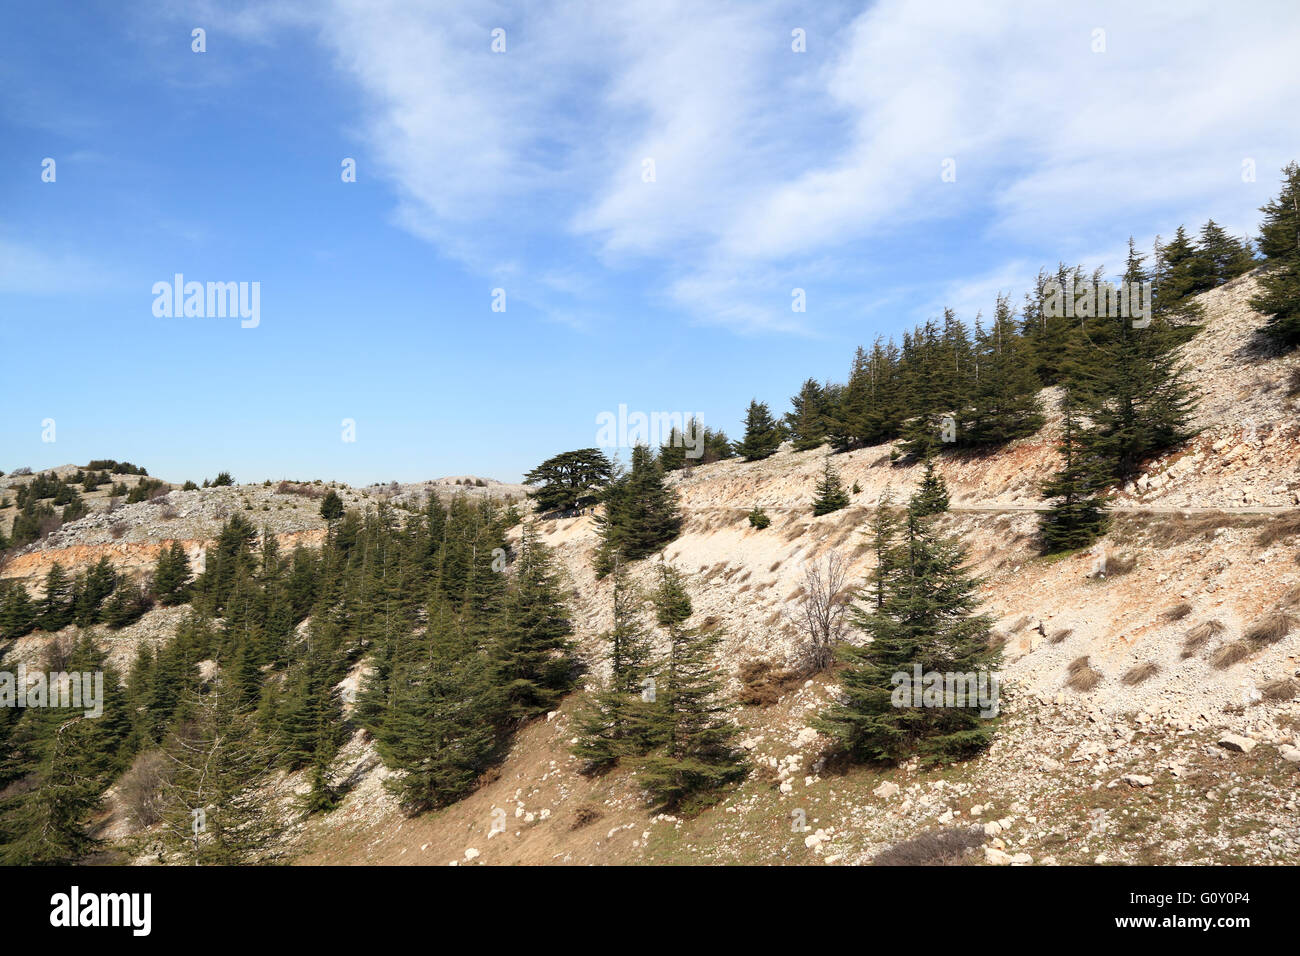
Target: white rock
(1236,742)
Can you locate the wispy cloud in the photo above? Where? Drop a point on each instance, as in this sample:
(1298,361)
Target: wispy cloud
(770,163)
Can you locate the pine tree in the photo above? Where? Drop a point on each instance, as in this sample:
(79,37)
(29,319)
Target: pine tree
(18,613)
(532,664)
(762,433)
(65,759)
(1004,394)
(694,756)
(831,495)
(1077,514)
(56,607)
(1227,256)
(331,506)
(1182,272)
(921,620)
(931,497)
(1279,243)
(172,576)
(641,513)
(808,420)
(1129,386)
(612,721)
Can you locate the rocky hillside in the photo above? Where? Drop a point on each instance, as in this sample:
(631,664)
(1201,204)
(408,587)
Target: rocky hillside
(1183,748)
(1180,747)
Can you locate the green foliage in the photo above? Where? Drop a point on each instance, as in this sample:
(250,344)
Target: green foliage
(830,495)
(570,480)
(762,433)
(613,719)
(1279,242)
(641,513)
(172,576)
(920,611)
(693,755)
(758,518)
(1129,387)
(223,479)
(331,506)
(1077,513)
(931,496)
(809,420)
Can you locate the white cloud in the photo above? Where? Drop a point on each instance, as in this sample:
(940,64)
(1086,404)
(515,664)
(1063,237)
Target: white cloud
(768,162)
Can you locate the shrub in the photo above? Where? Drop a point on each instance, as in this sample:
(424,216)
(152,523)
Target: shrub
(1230,654)
(948,847)
(1059,637)
(1284,688)
(758,518)
(1082,675)
(1177,612)
(763,683)
(1139,673)
(224,479)
(1270,629)
(1199,636)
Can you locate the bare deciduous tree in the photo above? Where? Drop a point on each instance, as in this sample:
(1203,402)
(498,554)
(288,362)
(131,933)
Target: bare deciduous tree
(821,615)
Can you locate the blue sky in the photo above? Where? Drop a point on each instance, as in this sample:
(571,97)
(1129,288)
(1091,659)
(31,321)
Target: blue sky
(523,170)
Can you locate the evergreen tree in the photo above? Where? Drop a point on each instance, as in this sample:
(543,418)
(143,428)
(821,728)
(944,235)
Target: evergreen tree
(1077,514)
(1004,394)
(65,759)
(17,610)
(808,421)
(532,666)
(331,506)
(923,619)
(689,723)
(1129,387)
(172,576)
(1279,243)
(56,607)
(641,513)
(571,480)
(762,433)
(1182,271)
(613,720)
(931,497)
(831,495)
(1226,256)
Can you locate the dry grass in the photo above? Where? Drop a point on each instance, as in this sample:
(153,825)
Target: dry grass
(1284,688)
(1119,564)
(1059,637)
(1199,636)
(1280,528)
(585,815)
(1166,530)
(1139,673)
(1270,629)
(764,683)
(1019,626)
(1083,676)
(1177,612)
(1229,654)
(948,847)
